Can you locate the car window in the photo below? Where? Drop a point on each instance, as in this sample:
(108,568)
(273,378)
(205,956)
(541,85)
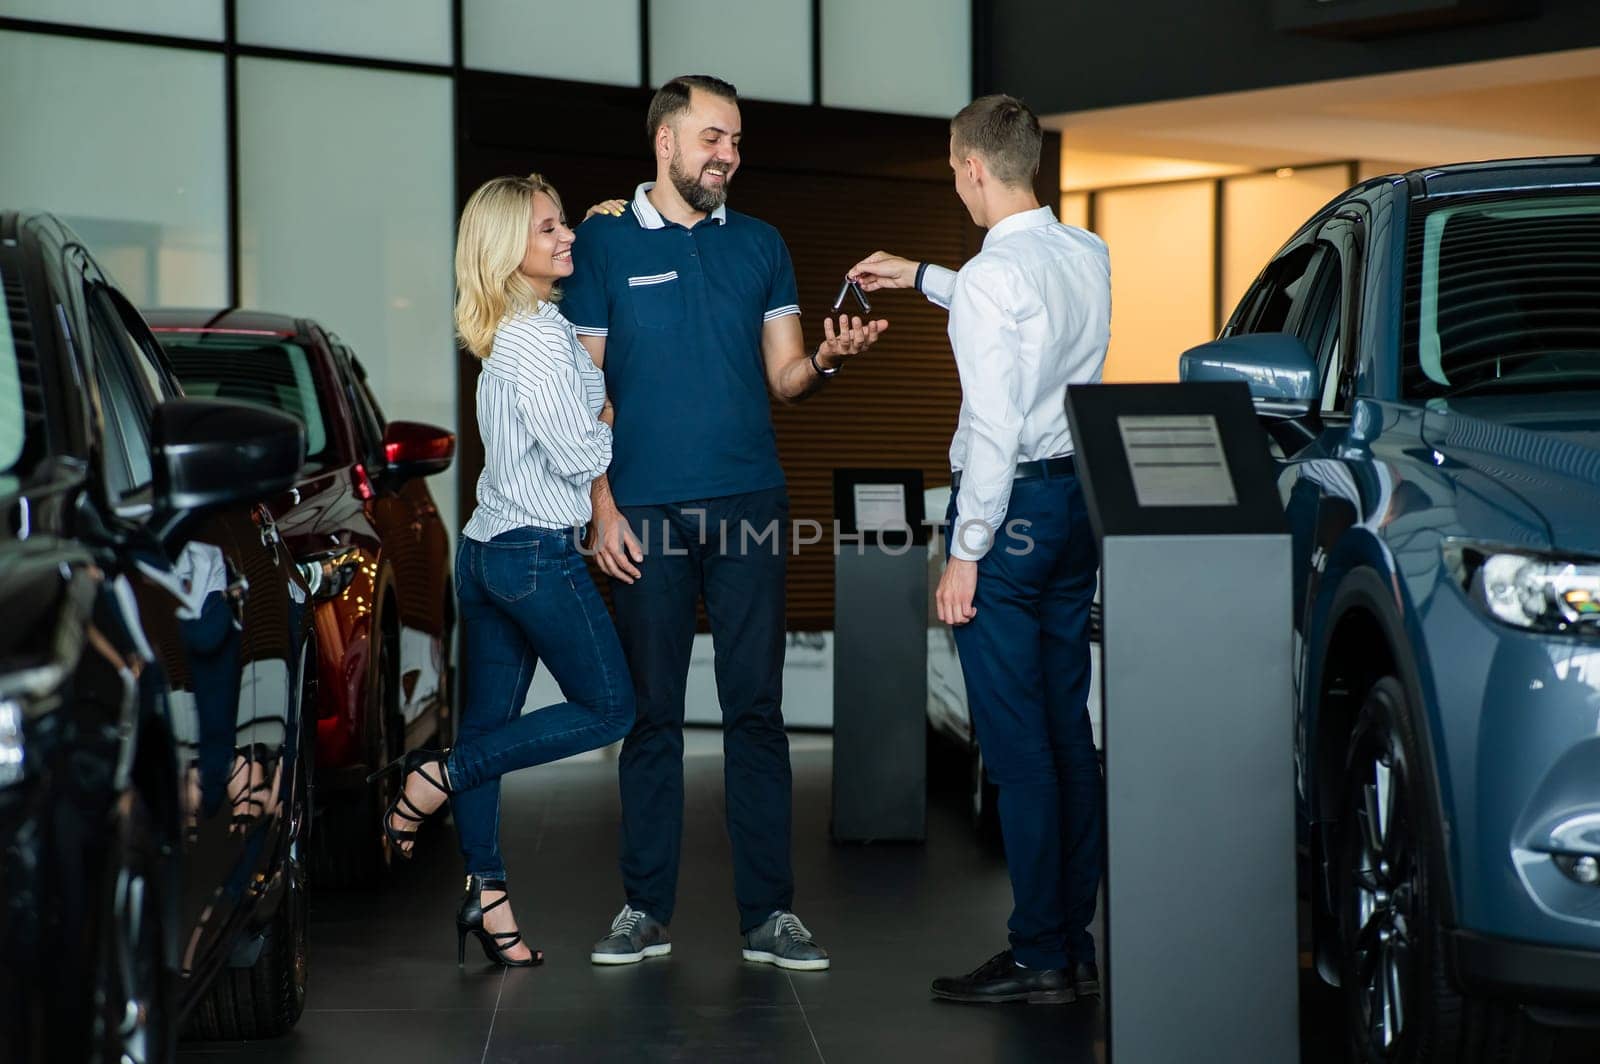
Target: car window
(369,424)
(365,388)
(148,358)
(270,371)
(1503,294)
(1321,325)
(1278,302)
(124,404)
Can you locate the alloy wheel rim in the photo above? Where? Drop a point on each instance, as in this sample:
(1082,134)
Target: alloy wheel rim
(1384,896)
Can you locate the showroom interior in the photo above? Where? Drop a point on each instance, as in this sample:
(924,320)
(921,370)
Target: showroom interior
(311,158)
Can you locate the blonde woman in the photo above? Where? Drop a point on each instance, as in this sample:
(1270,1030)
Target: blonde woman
(525,594)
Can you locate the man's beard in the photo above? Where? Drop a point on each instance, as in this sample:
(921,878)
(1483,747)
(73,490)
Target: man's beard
(705,200)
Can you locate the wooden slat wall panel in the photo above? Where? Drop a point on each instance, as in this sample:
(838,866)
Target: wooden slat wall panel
(896,406)
(837,185)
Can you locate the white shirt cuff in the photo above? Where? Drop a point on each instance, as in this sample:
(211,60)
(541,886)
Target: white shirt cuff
(939,285)
(970,540)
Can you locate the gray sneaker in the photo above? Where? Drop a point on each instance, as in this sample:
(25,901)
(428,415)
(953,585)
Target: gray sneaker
(783,940)
(634,936)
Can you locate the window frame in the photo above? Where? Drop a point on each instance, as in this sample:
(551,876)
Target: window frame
(125,406)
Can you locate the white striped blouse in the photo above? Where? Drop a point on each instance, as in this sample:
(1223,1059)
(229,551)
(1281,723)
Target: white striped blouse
(539,396)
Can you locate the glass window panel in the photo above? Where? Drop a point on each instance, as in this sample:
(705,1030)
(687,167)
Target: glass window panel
(906,56)
(578,40)
(1162,302)
(762,46)
(1260,212)
(416,31)
(175,18)
(354,227)
(125,143)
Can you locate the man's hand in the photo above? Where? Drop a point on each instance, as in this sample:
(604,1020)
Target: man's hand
(851,338)
(614,545)
(883,270)
(613,207)
(956,588)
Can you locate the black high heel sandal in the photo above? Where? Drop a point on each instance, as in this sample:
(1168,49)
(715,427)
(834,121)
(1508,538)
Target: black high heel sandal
(415,761)
(469,921)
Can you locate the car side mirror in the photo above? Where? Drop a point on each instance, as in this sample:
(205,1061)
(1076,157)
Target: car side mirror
(414,449)
(1278,368)
(208,454)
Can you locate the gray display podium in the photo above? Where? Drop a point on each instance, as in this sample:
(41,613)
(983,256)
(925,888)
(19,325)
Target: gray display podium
(880,657)
(1200,952)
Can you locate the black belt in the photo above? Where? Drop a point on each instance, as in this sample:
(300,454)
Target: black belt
(1059,466)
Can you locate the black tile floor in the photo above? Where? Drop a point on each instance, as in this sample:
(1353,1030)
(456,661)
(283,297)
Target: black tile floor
(385,989)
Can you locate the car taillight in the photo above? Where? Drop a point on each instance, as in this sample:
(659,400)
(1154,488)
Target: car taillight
(362,483)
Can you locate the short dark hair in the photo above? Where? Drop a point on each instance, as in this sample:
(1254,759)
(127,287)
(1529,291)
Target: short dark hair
(672,99)
(1004,132)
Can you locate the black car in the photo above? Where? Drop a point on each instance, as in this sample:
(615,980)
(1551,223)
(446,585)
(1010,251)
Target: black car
(154,653)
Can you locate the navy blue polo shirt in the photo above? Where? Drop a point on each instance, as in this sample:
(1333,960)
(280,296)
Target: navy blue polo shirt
(682,312)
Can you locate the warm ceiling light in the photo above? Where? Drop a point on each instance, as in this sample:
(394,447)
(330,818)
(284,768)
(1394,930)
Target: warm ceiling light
(1285,171)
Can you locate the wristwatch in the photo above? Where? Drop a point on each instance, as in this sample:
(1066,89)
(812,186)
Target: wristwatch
(818,366)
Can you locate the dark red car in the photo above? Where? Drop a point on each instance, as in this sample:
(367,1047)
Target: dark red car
(362,517)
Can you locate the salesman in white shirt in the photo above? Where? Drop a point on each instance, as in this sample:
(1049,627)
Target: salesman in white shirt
(1029,315)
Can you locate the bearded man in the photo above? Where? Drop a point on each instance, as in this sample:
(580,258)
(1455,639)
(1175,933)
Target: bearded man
(691,310)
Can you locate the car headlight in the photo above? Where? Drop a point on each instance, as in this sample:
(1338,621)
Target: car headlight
(328,573)
(1542,592)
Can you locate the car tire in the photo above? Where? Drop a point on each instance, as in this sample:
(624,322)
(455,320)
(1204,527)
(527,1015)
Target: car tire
(1401,1001)
(266,999)
(134,1000)
(348,850)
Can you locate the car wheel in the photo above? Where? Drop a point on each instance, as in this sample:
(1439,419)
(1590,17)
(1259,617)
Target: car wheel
(348,849)
(266,999)
(133,999)
(1401,1003)
(985,803)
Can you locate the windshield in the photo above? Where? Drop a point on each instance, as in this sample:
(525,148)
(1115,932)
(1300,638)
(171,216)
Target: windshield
(266,371)
(1503,294)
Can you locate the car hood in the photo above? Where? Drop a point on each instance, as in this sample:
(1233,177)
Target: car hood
(1543,448)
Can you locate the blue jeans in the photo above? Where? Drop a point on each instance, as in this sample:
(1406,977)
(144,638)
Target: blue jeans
(526,596)
(1025,657)
(741,576)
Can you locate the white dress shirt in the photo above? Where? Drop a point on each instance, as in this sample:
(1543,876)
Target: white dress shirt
(539,396)
(1029,315)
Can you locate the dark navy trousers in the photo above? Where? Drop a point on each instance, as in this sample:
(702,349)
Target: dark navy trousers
(730,551)
(1025,657)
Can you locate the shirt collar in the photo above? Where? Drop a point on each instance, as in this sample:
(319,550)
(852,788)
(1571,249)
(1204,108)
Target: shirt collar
(1016,223)
(650,218)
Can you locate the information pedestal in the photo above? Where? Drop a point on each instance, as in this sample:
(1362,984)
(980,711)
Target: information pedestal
(1201,957)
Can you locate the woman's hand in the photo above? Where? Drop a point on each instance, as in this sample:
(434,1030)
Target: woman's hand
(613,207)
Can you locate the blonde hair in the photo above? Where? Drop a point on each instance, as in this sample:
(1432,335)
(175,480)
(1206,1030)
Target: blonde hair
(490,245)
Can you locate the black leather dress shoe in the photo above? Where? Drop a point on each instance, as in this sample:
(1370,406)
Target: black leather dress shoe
(1086,979)
(1000,979)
